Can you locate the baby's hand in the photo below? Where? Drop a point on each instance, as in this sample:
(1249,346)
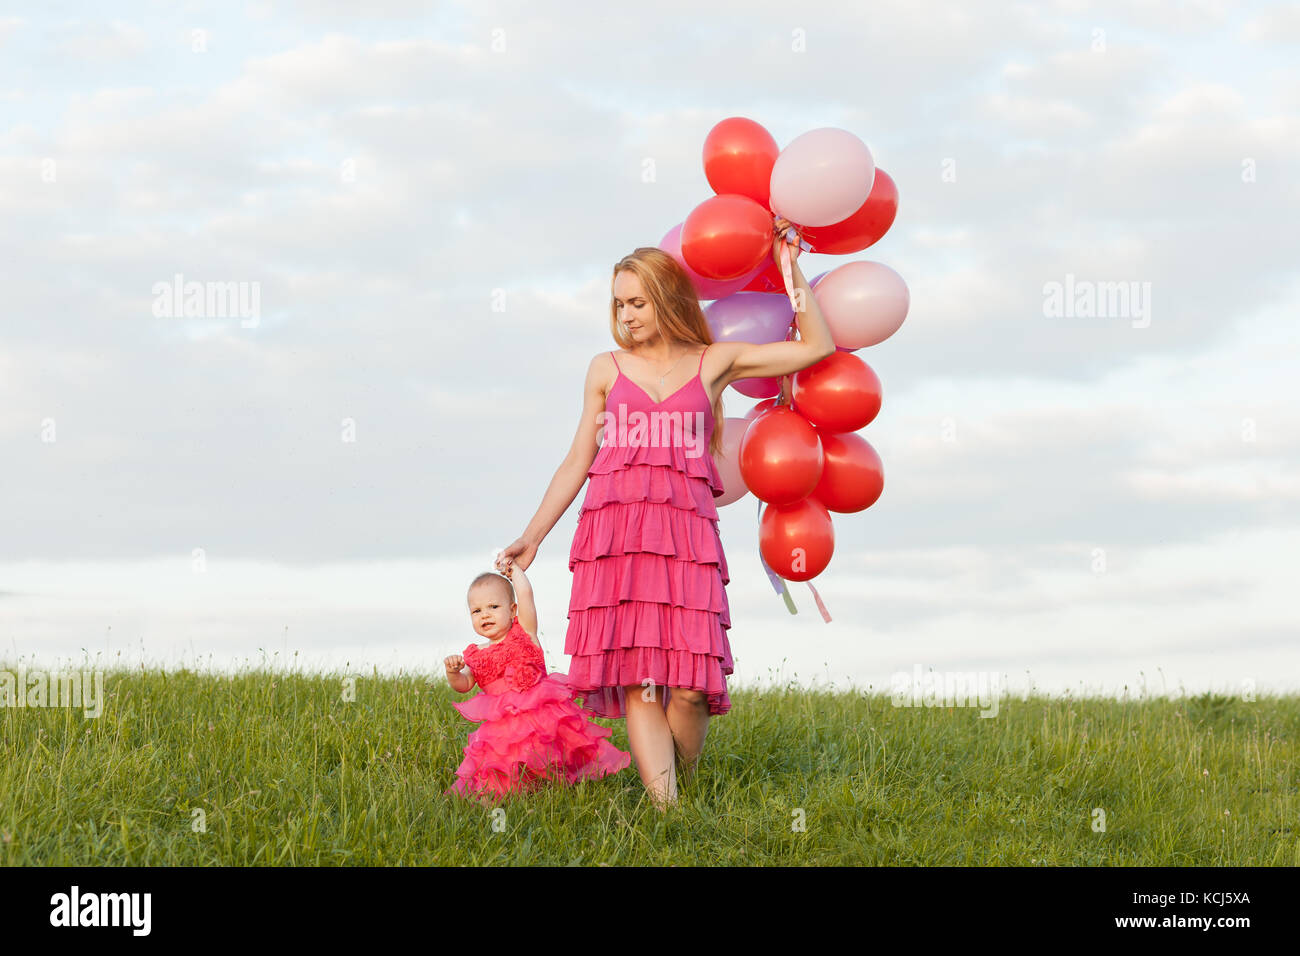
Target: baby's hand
(454,664)
(506,566)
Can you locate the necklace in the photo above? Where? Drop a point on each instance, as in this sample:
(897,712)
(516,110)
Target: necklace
(673,366)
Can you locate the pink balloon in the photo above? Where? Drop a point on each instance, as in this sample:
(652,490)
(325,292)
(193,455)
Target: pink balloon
(864,303)
(705,288)
(758,387)
(822,177)
(728,461)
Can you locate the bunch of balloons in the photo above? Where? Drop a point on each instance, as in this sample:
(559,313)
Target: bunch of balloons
(797,450)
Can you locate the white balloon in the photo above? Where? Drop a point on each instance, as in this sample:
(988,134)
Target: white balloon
(822,177)
(864,303)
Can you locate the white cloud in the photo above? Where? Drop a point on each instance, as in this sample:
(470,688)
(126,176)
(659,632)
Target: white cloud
(380,178)
(9,26)
(1263,484)
(99,42)
(1277,26)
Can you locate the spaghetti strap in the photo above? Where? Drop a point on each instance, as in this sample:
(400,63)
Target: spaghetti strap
(616,365)
(701,368)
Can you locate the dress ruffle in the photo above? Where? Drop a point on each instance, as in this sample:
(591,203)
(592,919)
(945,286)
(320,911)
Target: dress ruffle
(530,729)
(611,673)
(551,689)
(644,576)
(613,457)
(630,527)
(530,737)
(647,624)
(648,606)
(650,484)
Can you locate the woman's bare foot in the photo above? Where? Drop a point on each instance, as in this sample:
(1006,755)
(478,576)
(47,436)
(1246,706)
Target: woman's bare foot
(662,804)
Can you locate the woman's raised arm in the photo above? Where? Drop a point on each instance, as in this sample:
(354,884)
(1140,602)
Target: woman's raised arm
(569,477)
(746,360)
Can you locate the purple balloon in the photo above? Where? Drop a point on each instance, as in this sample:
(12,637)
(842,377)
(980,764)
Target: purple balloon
(758,317)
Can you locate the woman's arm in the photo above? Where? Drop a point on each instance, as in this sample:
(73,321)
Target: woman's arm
(746,360)
(569,477)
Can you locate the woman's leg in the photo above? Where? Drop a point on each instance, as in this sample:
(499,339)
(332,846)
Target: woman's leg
(688,719)
(651,741)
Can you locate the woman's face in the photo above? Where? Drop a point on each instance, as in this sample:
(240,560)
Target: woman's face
(634,309)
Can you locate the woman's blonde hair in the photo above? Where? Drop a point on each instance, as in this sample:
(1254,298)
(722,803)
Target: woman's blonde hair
(677,310)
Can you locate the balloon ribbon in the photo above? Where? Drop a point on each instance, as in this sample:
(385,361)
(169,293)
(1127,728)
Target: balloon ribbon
(792,235)
(778,583)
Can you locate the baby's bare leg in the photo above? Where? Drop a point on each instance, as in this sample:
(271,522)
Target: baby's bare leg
(651,742)
(688,719)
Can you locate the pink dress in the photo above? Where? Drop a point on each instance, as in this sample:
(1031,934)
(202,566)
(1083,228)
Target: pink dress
(531,730)
(649,599)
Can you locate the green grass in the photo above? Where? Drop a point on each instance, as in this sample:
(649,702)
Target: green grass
(287,772)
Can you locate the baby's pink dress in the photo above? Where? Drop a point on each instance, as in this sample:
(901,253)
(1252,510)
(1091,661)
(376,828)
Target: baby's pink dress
(531,730)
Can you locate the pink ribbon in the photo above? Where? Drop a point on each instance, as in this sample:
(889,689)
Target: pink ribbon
(792,236)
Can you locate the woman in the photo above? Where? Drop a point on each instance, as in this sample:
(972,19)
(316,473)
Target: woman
(648,613)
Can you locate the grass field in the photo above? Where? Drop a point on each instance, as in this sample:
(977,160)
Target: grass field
(263,768)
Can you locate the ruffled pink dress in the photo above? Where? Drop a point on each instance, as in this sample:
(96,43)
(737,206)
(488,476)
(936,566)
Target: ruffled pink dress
(531,730)
(649,599)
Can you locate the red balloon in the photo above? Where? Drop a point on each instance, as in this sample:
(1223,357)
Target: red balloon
(864,227)
(726,237)
(738,158)
(769,280)
(797,540)
(838,394)
(760,408)
(852,477)
(780,456)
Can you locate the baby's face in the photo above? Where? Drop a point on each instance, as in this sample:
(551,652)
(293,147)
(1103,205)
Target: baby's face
(489,611)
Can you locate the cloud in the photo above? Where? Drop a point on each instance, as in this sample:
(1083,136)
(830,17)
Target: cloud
(390,181)
(1277,26)
(99,42)
(9,26)
(1209,485)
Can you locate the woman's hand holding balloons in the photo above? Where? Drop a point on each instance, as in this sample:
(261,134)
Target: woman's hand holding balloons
(780,225)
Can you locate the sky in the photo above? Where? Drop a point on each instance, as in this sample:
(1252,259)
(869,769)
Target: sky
(429,201)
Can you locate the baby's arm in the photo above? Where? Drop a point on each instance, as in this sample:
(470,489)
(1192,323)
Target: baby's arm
(460,677)
(524,598)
